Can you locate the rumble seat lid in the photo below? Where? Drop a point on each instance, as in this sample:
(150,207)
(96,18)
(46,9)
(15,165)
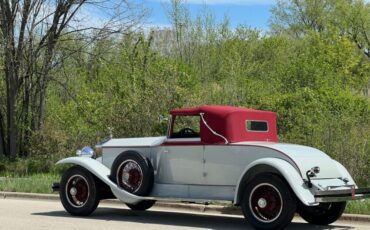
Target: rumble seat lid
(304,157)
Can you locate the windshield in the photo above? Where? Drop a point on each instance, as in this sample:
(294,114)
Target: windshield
(186,127)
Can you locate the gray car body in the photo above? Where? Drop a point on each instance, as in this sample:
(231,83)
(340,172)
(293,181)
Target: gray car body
(191,172)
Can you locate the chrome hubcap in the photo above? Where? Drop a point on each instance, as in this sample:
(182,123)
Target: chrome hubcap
(73,191)
(126,176)
(262,203)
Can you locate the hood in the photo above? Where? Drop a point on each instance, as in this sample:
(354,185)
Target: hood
(305,158)
(134,142)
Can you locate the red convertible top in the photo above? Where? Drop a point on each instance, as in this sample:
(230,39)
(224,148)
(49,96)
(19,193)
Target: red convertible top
(219,110)
(231,122)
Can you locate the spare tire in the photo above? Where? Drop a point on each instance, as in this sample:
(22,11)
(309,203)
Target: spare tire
(133,173)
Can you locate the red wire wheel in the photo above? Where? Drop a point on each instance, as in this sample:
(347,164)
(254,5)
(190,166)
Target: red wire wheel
(268,202)
(130,176)
(133,173)
(77,190)
(265,202)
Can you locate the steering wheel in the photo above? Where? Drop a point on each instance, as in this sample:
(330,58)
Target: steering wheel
(187,132)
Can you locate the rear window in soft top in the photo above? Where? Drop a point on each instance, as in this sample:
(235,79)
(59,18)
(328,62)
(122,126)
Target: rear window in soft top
(256,126)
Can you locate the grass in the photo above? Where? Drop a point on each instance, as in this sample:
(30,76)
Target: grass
(37,183)
(358,207)
(41,183)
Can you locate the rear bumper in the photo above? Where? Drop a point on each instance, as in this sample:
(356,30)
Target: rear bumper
(342,195)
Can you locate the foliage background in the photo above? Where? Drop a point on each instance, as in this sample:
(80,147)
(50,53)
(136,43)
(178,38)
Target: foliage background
(311,67)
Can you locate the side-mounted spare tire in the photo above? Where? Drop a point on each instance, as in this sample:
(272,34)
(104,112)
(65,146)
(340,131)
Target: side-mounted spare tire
(133,173)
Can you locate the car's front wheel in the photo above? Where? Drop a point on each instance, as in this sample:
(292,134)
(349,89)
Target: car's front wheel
(323,214)
(78,192)
(268,202)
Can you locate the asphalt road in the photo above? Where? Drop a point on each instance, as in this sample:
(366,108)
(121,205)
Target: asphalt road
(43,214)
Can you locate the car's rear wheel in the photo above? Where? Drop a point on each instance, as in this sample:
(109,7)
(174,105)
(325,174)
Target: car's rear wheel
(78,192)
(323,214)
(142,205)
(133,173)
(268,202)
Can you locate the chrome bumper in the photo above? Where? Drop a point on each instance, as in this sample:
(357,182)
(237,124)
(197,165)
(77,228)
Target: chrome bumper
(342,195)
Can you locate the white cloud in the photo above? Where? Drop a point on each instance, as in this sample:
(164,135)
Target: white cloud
(226,2)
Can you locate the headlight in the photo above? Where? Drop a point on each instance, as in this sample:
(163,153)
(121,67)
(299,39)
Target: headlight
(86,151)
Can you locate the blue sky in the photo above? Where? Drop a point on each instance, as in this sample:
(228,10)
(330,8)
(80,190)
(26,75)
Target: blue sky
(255,13)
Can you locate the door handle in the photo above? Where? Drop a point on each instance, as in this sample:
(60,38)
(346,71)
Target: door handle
(166,151)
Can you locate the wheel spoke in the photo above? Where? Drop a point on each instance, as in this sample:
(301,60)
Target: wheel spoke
(129,176)
(77,191)
(265,202)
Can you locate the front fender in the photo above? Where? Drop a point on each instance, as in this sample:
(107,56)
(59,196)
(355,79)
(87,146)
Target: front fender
(102,172)
(289,173)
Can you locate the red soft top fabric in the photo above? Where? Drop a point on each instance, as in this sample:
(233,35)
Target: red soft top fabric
(219,110)
(230,122)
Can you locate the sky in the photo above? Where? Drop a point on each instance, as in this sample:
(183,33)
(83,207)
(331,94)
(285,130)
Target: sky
(254,13)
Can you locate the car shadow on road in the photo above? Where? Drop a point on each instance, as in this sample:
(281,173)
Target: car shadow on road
(178,219)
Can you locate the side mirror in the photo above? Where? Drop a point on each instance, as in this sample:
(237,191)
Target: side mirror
(162,119)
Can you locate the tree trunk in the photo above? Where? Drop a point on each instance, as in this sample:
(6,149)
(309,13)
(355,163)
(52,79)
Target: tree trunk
(26,131)
(2,142)
(41,106)
(11,76)
(11,116)
(12,128)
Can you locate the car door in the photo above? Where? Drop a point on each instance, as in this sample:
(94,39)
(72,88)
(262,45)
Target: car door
(180,162)
(179,159)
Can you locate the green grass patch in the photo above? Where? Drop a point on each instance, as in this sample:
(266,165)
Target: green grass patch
(37,183)
(358,207)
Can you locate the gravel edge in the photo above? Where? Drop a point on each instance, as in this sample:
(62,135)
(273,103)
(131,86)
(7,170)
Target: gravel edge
(176,205)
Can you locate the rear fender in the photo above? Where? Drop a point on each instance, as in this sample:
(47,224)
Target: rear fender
(344,173)
(282,167)
(102,172)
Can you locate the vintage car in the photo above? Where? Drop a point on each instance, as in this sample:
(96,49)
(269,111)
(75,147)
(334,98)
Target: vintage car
(213,153)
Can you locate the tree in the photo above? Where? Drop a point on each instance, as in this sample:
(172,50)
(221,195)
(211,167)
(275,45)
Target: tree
(348,18)
(30,33)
